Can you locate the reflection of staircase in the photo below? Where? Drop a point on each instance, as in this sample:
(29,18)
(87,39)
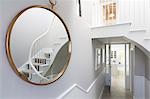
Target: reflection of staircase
(42,54)
(42,62)
(43,51)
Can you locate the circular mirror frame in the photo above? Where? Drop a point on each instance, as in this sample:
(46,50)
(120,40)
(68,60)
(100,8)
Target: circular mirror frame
(9,55)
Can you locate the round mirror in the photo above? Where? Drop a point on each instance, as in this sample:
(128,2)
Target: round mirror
(38,45)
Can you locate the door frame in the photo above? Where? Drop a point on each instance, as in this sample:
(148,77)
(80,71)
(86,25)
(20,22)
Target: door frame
(109,63)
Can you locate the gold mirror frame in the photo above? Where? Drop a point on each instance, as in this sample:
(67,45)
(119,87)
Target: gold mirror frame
(8,51)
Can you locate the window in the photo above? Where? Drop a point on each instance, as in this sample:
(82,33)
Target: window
(109,12)
(98,58)
(113,54)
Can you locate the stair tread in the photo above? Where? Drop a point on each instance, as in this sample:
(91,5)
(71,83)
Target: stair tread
(39,72)
(42,58)
(40,64)
(27,71)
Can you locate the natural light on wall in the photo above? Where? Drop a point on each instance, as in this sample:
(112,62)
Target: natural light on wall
(104,12)
(109,11)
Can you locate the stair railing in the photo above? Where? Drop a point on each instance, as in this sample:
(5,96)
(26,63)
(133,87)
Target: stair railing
(32,47)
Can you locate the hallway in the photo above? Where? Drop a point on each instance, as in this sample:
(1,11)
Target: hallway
(117,87)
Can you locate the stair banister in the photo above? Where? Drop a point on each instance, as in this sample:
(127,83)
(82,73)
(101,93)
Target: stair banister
(30,51)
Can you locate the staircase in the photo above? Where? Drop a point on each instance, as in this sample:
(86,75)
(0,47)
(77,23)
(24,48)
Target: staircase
(42,55)
(42,62)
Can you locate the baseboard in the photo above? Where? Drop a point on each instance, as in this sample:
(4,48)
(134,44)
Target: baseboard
(86,91)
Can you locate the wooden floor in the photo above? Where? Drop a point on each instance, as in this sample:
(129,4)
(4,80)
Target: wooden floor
(116,94)
(117,90)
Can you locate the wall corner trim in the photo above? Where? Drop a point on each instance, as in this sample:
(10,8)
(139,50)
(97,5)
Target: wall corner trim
(79,87)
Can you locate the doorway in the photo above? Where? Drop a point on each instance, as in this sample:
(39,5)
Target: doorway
(117,67)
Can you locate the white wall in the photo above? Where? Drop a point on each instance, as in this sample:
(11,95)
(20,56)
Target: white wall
(139,75)
(86,6)
(147,78)
(140,62)
(147,88)
(139,87)
(147,68)
(81,67)
(0,50)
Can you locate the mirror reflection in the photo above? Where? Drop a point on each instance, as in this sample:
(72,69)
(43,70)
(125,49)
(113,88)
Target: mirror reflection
(39,45)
